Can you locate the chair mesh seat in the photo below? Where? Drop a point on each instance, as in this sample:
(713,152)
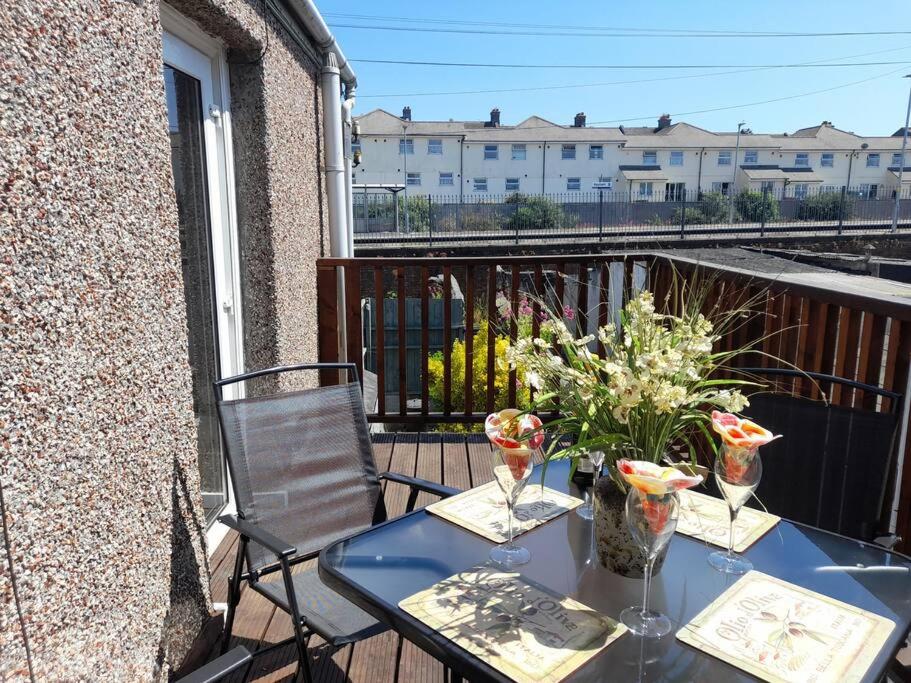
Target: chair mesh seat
(329,614)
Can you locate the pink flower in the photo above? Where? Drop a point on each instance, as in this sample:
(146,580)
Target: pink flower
(569,312)
(511,429)
(654,479)
(740,433)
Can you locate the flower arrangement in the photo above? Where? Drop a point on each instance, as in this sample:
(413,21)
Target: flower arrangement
(740,439)
(653,386)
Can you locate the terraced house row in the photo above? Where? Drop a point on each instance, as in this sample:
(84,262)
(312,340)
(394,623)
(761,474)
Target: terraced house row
(660,163)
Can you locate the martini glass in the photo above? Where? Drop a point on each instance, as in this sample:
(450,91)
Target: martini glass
(737,473)
(511,469)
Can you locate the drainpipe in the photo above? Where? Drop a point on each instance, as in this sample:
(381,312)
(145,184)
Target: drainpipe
(543,165)
(699,175)
(347,106)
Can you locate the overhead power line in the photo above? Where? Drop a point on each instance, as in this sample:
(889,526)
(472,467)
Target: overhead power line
(633,31)
(540,88)
(597,34)
(478,65)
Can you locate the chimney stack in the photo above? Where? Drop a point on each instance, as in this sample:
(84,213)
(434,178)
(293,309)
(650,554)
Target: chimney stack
(406,114)
(494,119)
(579,122)
(664,121)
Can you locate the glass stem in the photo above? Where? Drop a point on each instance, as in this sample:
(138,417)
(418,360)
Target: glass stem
(509,522)
(733,514)
(647,584)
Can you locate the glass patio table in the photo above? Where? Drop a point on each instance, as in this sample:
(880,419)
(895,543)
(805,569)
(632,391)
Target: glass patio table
(387,563)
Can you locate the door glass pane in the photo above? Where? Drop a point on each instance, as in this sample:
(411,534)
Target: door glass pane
(185,124)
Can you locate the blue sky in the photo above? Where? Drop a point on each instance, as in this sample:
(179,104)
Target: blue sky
(876,107)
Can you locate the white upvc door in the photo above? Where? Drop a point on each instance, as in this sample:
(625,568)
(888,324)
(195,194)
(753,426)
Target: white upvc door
(199,113)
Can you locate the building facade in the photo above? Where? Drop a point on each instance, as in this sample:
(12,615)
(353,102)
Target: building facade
(474,159)
(163,204)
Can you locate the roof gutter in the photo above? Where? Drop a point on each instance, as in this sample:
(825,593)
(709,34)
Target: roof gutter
(310,17)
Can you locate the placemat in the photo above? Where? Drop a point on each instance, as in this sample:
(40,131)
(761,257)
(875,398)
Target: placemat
(707,518)
(516,626)
(784,633)
(483,509)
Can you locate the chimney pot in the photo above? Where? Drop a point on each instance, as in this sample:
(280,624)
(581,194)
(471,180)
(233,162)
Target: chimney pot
(406,114)
(494,119)
(579,121)
(664,121)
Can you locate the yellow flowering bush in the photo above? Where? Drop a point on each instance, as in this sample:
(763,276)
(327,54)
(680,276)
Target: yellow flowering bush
(478,378)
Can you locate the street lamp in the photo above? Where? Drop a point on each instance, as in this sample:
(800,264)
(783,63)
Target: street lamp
(405,166)
(734,174)
(901,162)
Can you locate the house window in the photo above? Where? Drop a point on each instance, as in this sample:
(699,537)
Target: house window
(869,191)
(480,184)
(569,151)
(646,189)
(723,188)
(896,158)
(518,152)
(873,161)
(724,157)
(827,160)
(676,158)
(406,146)
(650,158)
(434,147)
(573,184)
(751,156)
(801,159)
(413,179)
(675,192)
(800,190)
(491,152)
(446,178)
(512,184)
(596,151)
(767,186)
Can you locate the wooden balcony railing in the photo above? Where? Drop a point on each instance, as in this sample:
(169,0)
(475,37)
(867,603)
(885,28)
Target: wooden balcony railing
(840,331)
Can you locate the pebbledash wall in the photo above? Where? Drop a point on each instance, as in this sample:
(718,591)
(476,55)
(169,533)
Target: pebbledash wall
(103,570)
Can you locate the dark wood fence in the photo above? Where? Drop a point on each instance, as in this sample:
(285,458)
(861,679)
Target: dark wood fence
(844,332)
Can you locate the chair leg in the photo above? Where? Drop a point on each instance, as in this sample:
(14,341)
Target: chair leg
(233,594)
(303,654)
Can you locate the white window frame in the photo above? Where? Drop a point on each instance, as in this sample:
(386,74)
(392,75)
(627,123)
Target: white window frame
(897,159)
(573,184)
(413,179)
(480,184)
(802,160)
(873,160)
(751,156)
(515,183)
(801,190)
(491,152)
(678,155)
(725,157)
(406,146)
(646,188)
(519,153)
(568,152)
(187,48)
(596,152)
(650,154)
(435,146)
(447,178)
(827,160)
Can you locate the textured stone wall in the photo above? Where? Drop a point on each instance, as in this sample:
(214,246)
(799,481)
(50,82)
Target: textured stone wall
(103,532)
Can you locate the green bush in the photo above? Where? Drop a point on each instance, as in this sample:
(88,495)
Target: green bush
(538,213)
(690,216)
(755,206)
(715,207)
(418,213)
(825,206)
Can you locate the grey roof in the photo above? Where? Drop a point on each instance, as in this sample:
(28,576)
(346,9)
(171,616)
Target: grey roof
(680,135)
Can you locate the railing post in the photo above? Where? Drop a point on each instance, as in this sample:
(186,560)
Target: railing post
(765,201)
(841,208)
(516,217)
(430,219)
(683,217)
(600,214)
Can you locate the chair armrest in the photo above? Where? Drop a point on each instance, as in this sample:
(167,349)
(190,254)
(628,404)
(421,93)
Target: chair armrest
(260,536)
(420,484)
(220,667)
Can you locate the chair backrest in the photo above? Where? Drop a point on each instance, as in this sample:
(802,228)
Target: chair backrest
(833,465)
(301,463)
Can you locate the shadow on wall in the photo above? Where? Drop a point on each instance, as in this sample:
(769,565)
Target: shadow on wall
(189,603)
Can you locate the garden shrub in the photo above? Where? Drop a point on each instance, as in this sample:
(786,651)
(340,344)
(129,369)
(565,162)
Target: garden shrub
(825,206)
(754,206)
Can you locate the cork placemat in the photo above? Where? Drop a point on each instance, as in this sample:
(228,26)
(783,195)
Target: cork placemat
(707,518)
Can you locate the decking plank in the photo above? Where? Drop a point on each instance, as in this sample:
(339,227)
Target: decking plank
(479,458)
(402,461)
(456,471)
(429,464)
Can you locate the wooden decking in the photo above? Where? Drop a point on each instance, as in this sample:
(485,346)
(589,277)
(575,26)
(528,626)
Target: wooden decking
(454,460)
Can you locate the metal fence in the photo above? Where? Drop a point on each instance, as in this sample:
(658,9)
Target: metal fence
(519,218)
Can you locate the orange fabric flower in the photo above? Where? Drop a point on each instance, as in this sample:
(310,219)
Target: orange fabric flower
(654,479)
(739,433)
(510,429)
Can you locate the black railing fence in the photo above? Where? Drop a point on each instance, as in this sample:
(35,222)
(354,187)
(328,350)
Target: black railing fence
(524,218)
